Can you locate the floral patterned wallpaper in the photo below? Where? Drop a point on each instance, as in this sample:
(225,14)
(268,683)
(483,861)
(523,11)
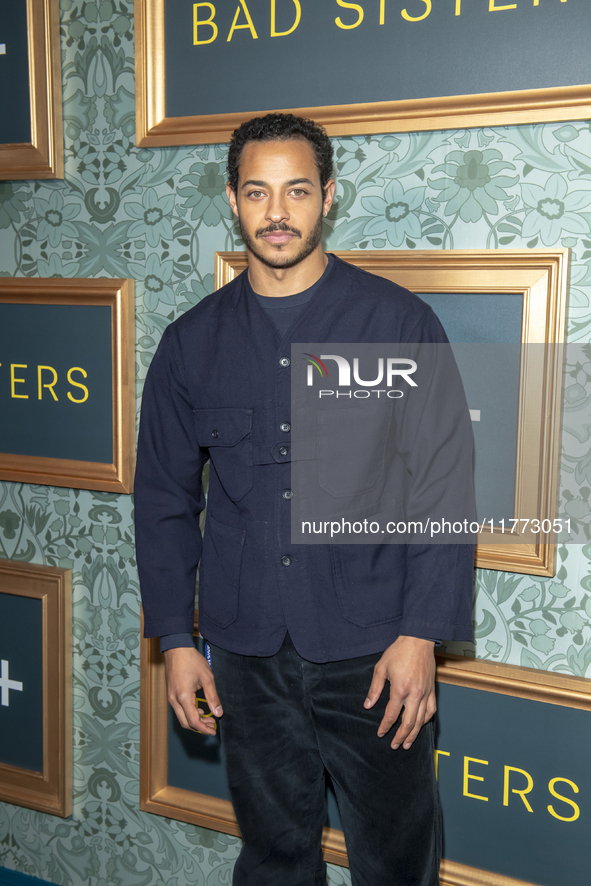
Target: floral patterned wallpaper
(158,216)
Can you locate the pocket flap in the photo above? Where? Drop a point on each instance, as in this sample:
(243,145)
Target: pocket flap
(224,426)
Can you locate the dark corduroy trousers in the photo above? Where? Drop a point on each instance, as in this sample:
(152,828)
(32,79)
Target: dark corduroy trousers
(286,721)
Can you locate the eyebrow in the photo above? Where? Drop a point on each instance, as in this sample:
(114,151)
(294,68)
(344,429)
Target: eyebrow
(251,182)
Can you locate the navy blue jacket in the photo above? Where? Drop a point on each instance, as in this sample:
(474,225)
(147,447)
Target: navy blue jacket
(219,388)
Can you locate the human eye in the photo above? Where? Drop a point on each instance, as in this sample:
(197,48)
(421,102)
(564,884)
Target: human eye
(299,192)
(256,194)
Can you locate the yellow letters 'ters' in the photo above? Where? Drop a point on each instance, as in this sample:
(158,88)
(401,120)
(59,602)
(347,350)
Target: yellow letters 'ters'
(14,381)
(522,792)
(468,776)
(576,810)
(77,384)
(50,385)
(437,753)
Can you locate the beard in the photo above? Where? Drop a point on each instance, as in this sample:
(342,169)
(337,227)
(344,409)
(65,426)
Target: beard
(280,259)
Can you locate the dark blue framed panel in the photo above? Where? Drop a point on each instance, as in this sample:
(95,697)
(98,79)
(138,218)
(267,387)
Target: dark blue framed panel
(36,687)
(66,382)
(514,773)
(493,319)
(514,779)
(203,68)
(466,287)
(21,682)
(31,143)
(15,121)
(511,757)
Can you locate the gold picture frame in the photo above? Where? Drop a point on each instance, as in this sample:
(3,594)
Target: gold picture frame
(160,798)
(154,129)
(43,156)
(541,277)
(50,790)
(118,295)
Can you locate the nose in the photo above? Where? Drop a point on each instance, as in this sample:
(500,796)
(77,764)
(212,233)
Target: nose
(277,209)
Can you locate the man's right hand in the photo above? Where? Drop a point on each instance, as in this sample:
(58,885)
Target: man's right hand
(188,673)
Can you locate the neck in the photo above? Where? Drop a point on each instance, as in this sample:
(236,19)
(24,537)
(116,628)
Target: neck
(278,282)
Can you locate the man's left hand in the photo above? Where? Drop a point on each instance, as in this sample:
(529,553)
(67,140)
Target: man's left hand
(409,666)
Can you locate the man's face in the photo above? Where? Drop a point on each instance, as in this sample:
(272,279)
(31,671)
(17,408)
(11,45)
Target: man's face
(280,202)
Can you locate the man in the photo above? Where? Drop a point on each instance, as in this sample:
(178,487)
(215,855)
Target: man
(322,656)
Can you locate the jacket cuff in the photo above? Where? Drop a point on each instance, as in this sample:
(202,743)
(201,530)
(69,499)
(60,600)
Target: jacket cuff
(176,641)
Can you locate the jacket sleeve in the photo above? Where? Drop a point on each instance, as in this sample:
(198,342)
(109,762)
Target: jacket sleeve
(436,444)
(168,497)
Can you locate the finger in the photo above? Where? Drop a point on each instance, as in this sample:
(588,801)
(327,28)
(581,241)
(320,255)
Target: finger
(188,717)
(410,726)
(431,707)
(211,695)
(205,716)
(193,714)
(391,715)
(207,724)
(412,736)
(179,713)
(376,687)
(408,731)
(426,713)
(200,722)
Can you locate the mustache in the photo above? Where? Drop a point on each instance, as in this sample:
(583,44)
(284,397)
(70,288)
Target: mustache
(274,229)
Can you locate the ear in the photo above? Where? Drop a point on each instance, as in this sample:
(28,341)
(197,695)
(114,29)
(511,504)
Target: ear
(328,196)
(231,194)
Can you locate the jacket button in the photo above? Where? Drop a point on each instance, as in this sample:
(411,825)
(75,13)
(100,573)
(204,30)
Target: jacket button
(286,561)
(285,361)
(287,493)
(283,450)
(285,427)
(214,433)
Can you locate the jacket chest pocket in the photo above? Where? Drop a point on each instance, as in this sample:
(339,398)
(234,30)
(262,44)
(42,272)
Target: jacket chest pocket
(227,434)
(352,449)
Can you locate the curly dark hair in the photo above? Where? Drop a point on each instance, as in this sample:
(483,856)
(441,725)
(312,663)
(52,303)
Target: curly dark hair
(280,127)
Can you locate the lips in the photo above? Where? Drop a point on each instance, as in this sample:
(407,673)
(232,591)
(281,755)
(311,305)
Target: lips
(278,238)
